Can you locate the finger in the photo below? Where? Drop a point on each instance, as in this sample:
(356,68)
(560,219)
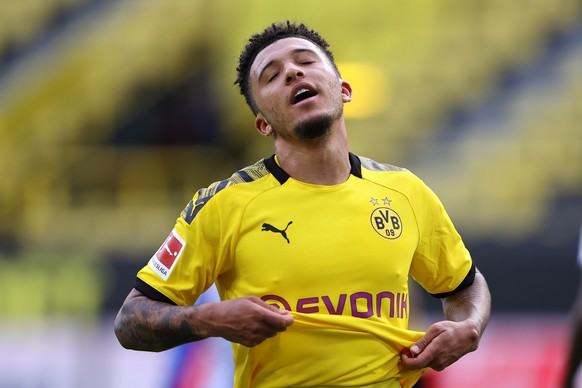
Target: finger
(273,316)
(409,361)
(432,332)
(405,358)
(269,332)
(277,320)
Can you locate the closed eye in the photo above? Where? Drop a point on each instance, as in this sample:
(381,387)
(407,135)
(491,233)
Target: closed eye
(272,77)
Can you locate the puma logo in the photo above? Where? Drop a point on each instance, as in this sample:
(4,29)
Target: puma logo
(271,228)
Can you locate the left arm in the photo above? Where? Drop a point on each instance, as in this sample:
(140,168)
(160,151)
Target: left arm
(467,313)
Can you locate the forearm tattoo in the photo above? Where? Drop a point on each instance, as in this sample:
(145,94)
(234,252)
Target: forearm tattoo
(145,324)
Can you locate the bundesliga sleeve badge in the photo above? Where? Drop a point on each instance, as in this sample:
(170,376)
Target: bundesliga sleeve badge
(164,260)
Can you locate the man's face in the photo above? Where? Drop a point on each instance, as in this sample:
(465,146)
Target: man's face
(297,90)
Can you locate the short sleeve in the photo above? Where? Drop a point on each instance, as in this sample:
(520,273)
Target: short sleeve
(190,259)
(441,264)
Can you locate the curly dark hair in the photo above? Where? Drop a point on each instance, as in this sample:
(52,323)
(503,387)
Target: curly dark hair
(271,34)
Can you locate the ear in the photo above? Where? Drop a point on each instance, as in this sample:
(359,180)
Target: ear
(346,91)
(262,126)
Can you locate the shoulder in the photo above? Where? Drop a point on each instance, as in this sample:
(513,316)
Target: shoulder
(395,177)
(248,174)
(241,185)
(372,165)
(384,173)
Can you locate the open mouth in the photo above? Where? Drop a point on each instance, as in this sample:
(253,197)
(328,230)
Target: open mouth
(302,94)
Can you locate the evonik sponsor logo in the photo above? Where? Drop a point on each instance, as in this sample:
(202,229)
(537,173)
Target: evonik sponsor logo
(359,304)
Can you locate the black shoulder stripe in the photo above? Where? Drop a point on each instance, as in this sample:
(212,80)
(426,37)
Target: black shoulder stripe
(245,175)
(151,292)
(189,213)
(464,284)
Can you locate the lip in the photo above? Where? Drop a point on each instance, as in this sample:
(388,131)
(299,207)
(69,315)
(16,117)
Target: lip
(298,87)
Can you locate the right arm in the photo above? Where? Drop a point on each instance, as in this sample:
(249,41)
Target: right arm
(146,324)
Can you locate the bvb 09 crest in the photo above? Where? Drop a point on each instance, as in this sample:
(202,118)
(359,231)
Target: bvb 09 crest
(386,222)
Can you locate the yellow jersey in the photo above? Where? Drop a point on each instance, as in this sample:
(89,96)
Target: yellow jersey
(338,257)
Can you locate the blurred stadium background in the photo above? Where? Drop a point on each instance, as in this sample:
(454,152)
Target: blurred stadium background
(113,113)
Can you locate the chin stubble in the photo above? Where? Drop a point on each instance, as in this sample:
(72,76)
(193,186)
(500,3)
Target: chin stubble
(315,127)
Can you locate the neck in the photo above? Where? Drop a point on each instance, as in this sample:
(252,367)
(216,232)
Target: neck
(325,162)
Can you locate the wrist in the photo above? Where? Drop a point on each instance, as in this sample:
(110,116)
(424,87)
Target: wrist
(200,318)
(475,329)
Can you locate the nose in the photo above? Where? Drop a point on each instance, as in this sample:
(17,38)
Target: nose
(293,72)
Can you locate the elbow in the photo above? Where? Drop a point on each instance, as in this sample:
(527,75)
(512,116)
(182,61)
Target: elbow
(121,332)
(129,338)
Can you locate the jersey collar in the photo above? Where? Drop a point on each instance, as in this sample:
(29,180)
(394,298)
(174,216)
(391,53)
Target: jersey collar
(282,176)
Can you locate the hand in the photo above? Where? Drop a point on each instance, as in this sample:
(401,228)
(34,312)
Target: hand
(443,343)
(247,321)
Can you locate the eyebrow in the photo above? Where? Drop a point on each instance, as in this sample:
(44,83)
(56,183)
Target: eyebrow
(273,61)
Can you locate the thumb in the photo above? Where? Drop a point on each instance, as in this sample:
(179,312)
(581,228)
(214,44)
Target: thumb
(279,319)
(275,316)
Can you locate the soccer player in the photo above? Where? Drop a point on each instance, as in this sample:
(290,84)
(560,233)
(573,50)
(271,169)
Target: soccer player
(310,249)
